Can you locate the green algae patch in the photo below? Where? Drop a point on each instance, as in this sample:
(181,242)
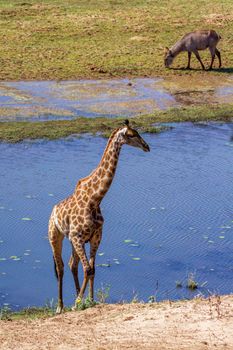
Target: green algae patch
(13,132)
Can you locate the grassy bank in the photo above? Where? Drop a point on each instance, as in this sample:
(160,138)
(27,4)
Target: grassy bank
(18,131)
(28,313)
(56,39)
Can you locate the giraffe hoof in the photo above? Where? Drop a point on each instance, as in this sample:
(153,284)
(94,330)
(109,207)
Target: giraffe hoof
(74,308)
(59,310)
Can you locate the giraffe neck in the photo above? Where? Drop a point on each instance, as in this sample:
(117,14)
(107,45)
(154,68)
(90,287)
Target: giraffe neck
(97,184)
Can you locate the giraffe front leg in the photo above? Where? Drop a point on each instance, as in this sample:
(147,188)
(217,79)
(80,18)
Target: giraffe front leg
(78,245)
(95,242)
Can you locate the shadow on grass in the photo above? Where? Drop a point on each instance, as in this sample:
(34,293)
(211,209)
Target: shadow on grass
(187,69)
(227,70)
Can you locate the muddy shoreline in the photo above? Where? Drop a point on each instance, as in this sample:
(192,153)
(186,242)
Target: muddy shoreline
(51,100)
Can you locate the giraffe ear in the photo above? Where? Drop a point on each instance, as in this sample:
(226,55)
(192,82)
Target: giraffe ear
(126,122)
(130,132)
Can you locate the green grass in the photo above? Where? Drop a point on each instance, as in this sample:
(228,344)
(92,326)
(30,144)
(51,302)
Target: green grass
(28,313)
(6,314)
(58,39)
(18,131)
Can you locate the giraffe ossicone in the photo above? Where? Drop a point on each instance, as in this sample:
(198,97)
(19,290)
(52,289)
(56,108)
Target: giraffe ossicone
(79,217)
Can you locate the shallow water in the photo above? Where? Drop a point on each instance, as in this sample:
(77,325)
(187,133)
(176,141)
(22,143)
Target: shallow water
(48,100)
(171,209)
(87,98)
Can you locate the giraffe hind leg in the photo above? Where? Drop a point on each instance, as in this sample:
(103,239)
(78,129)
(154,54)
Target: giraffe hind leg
(56,239)
(73,264)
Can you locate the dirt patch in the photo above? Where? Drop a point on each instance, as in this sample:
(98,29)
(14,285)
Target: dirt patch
(195,91)
(197,324)
(218,18)
(139,38)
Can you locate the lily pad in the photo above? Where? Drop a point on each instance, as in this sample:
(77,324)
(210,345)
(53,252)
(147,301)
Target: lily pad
(116,261)
(128,241)
(104,265)
(136,259)
(26,219)
(15,257)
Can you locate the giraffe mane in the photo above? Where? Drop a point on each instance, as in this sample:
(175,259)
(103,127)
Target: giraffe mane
(113,134)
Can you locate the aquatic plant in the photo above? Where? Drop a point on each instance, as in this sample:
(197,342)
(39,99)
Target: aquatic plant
(191,282)
(179,284)
(102,293)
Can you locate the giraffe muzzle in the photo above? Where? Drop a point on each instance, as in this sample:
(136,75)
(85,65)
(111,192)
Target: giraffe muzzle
(146,148)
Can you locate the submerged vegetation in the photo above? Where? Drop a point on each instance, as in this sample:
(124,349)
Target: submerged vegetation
(95,39)
(18,131)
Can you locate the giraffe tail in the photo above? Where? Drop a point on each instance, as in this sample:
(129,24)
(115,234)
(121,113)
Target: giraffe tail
(55,268)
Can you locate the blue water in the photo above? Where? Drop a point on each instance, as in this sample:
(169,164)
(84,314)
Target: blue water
(175,204)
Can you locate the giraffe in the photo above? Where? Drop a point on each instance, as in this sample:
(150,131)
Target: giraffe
(79,217)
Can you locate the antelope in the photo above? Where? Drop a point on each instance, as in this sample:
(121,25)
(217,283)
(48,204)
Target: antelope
(192,43)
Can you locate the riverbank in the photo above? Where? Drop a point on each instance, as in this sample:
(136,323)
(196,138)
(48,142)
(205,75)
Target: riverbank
(105,39)
(55,129)
(184,325)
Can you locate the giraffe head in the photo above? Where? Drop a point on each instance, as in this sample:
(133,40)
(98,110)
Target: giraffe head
(131,137)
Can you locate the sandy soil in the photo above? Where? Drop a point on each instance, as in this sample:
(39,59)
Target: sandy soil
(196,324)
